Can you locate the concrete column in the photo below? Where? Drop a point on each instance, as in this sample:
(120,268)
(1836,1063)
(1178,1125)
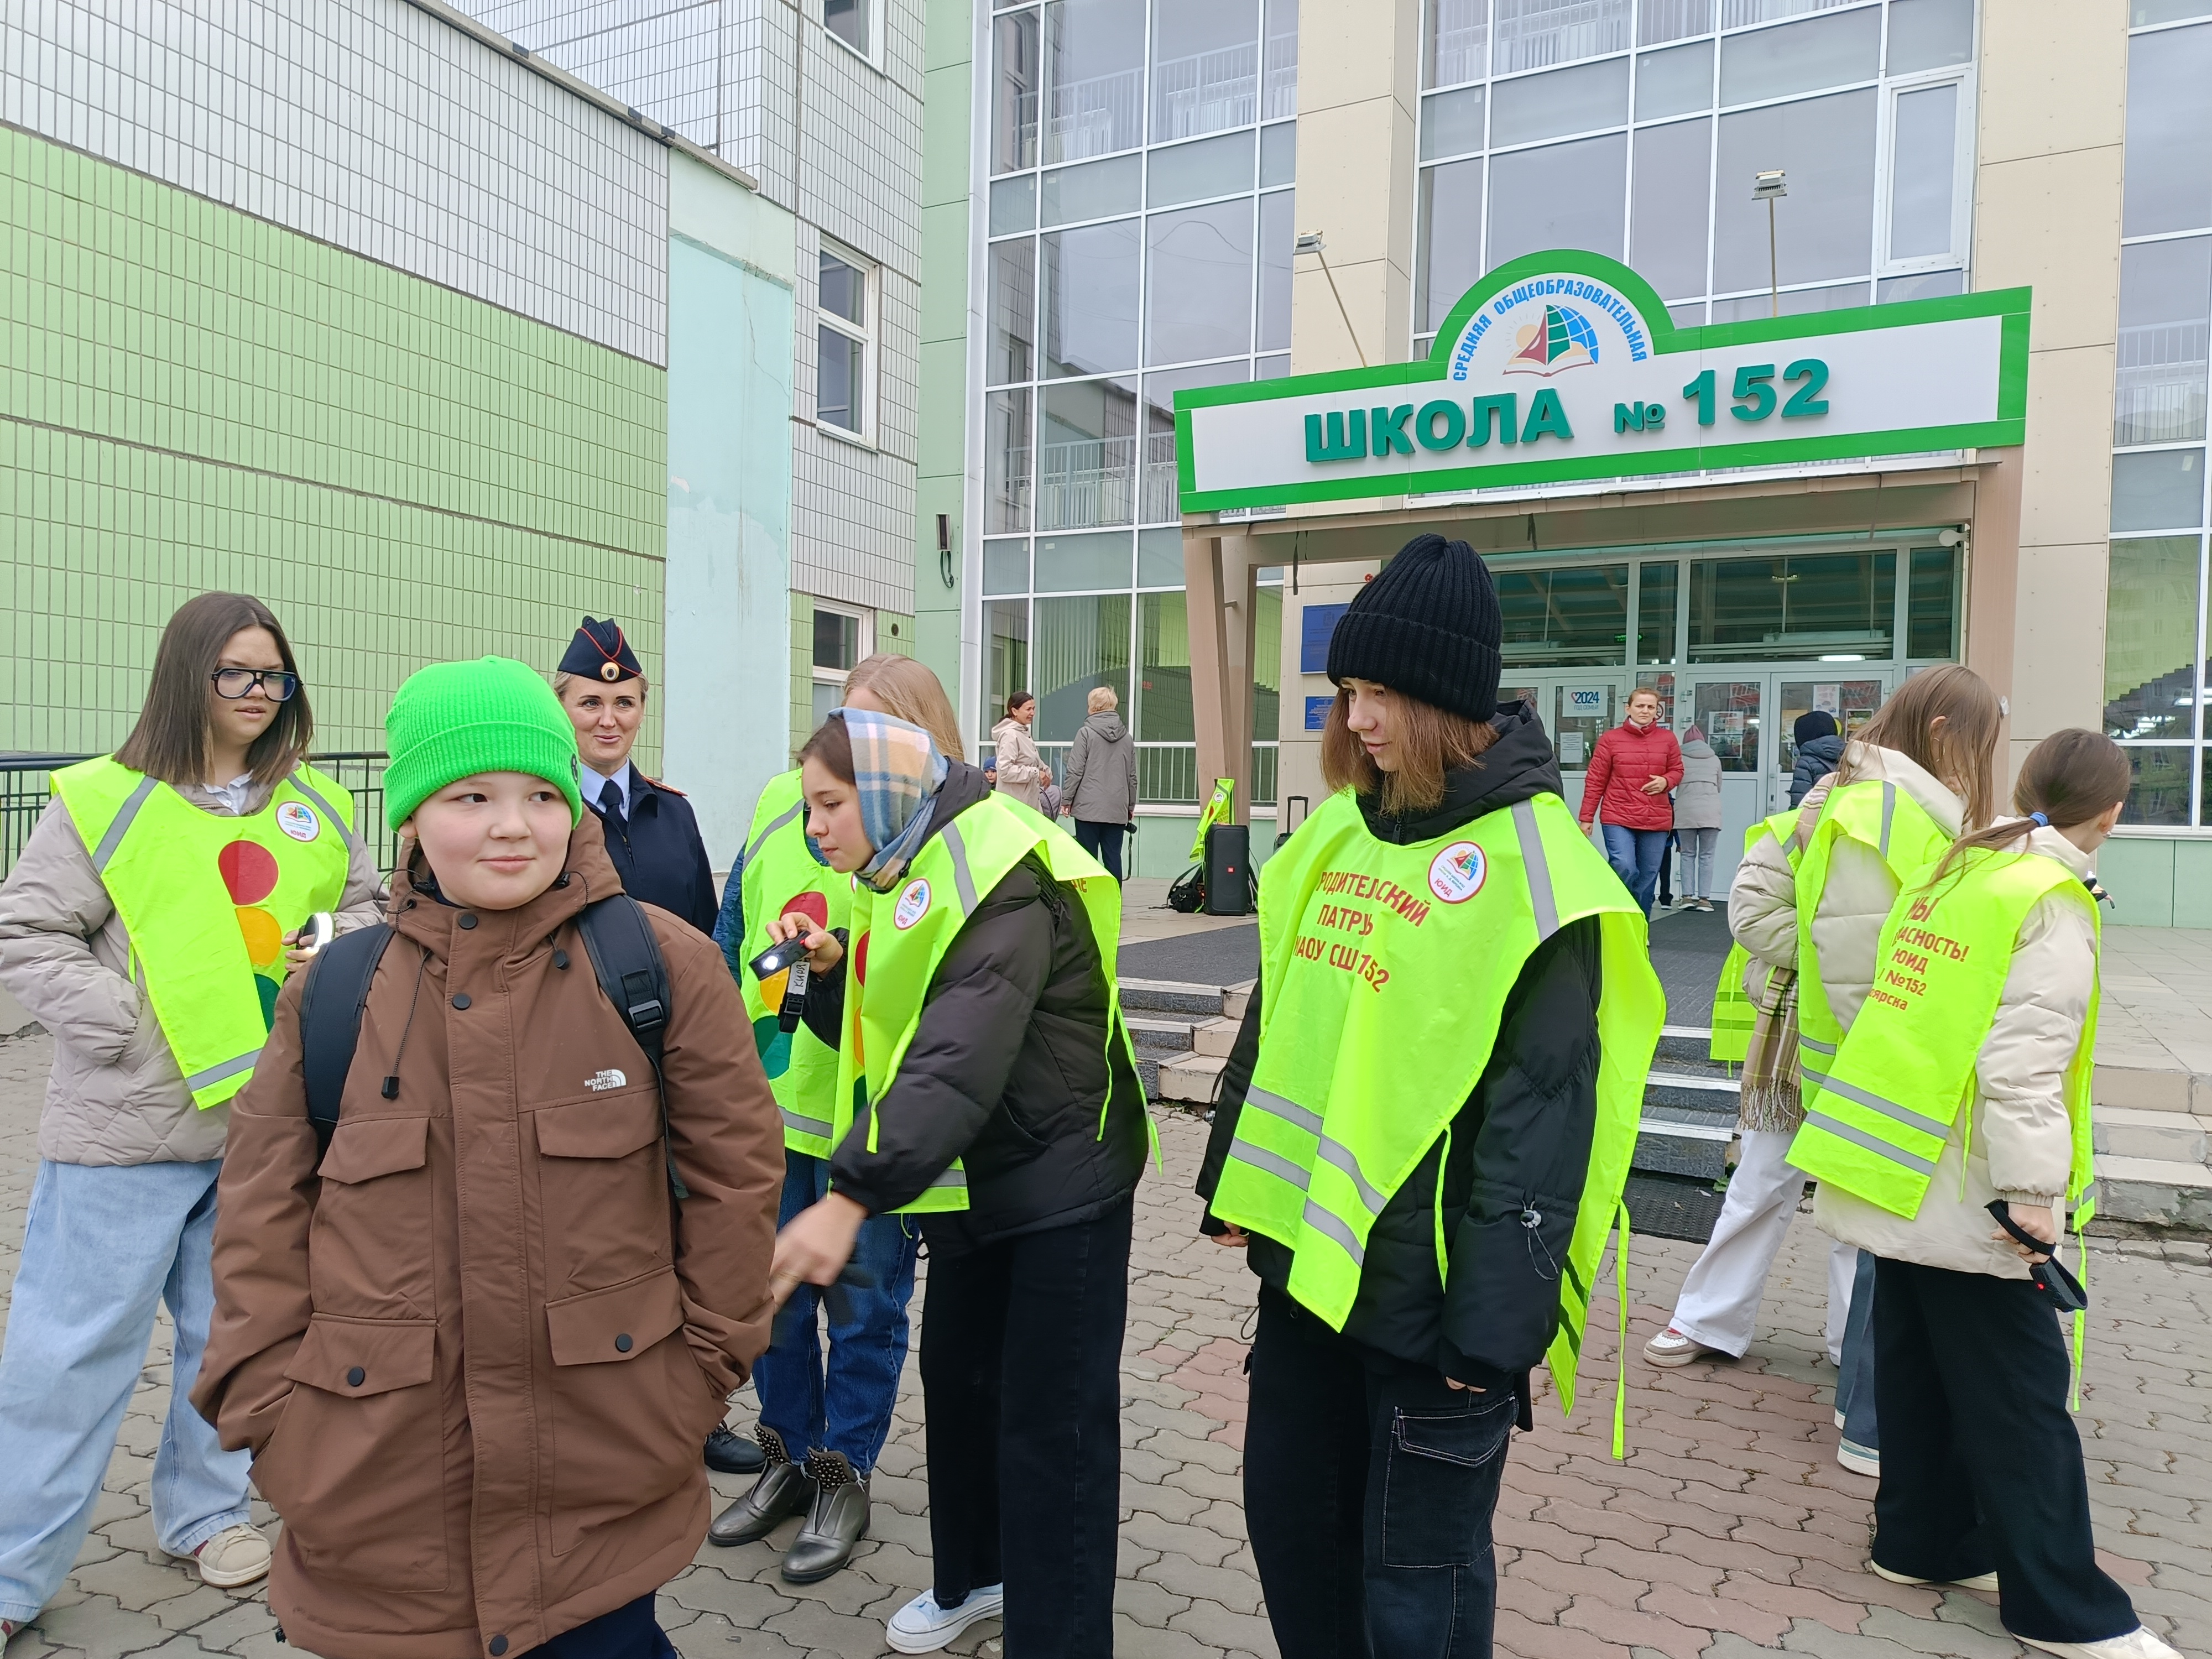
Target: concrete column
(1221,585)
(2052,100)
(1359,92)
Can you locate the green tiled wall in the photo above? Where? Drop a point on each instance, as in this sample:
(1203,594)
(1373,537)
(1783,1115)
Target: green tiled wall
(193,398)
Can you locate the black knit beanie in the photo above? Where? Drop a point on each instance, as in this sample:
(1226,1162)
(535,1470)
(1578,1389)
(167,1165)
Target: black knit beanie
(1429,627)
(1818,724)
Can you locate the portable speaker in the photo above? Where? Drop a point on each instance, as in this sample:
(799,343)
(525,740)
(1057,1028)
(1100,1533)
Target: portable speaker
(1229,870)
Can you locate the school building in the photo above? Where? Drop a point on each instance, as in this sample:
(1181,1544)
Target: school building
(1769,350)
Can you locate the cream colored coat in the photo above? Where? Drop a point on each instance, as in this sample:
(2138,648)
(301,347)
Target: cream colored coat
(115,1096)
(2022,1143)
(1021,768)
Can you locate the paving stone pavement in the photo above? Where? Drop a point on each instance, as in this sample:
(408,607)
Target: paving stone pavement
(1728,1531)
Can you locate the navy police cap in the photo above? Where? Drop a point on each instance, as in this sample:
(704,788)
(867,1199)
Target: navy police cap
(600,652)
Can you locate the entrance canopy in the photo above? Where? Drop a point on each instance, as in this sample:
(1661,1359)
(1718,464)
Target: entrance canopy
(1564,369)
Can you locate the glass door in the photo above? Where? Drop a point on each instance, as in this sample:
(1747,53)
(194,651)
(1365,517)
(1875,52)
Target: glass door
(1733,716)
(1852,702)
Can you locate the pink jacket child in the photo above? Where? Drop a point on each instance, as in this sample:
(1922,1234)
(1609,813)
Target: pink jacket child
(1627,758)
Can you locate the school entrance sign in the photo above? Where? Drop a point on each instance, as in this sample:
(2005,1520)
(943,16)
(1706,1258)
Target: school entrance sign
(1564,366)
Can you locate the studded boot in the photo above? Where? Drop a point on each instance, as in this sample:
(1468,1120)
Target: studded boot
(783,1489)
(835,1524)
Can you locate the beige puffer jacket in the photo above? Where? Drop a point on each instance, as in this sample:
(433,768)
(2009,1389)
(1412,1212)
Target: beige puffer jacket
(1022,772)
(2022,1145)
(115,1096)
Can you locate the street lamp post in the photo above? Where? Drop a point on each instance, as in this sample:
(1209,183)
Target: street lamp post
(1770,187)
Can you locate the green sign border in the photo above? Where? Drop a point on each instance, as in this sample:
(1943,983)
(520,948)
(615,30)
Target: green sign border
(2010,428)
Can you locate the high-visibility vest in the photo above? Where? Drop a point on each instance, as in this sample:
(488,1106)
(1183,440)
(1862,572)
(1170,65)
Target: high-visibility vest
(209,900)
(1907,1066)
(1879,815)
(1384,971)
(1736,1015)
(899,938)
(779,874)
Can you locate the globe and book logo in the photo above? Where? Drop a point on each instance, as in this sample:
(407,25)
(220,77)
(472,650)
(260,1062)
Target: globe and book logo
(1560,340)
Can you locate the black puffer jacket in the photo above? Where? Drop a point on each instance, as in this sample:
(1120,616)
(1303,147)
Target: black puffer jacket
(1518,1148)
(1007,1070)
(1816,760)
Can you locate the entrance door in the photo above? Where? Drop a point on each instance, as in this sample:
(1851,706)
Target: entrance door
(1852,702)
(1576,709)
(1733,716)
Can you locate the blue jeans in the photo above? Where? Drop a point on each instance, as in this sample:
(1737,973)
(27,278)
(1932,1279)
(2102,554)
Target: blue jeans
(103,1247)
(1855,1387)
(846,1406)
(1635,855)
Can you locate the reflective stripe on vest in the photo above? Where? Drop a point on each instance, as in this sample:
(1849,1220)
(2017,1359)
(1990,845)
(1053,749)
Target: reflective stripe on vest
(1899,1078)
(899,938)
(1734,1014)
(1384,971)
(781,874)
(209,900)
(1879,815)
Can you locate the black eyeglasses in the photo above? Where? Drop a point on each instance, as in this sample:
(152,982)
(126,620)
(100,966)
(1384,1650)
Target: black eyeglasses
(277,684)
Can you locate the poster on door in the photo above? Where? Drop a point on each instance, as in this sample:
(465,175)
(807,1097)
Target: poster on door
(1584,703)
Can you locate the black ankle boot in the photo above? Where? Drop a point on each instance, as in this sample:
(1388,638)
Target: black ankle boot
(835,1524)
(782,1489)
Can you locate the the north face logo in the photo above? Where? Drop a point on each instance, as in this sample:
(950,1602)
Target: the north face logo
(609,1078)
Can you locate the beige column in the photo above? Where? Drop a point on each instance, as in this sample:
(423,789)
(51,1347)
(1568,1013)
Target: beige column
(1221,588)
(2052,98)
(1359,92)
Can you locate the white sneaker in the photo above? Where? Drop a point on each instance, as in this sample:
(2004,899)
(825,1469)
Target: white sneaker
(1859,1460)
(2137,1643)
(236,1555)
(922,1626)
(1839,1419)
(1980,1581)
(1671,1348)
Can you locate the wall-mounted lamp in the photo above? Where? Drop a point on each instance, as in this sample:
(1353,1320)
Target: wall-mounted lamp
(1310,243)
(1770,187)
(945,547)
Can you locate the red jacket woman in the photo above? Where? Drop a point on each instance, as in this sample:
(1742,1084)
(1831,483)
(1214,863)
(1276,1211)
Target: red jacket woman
(1628,757)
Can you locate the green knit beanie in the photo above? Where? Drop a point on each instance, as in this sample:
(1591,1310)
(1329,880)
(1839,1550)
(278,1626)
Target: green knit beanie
(454,719)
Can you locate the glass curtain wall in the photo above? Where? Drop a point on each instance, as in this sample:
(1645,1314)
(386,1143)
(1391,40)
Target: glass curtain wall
(2155,638)
(1633,128)
(1140,225)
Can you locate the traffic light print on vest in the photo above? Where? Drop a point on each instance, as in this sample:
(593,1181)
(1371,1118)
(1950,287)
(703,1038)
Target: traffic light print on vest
(773,1042)
(249,874)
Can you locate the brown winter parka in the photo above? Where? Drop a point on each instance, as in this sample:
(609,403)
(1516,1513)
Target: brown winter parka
(476,1360)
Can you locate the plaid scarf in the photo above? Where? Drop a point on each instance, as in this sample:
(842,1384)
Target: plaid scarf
(1769,1100)
(897,773)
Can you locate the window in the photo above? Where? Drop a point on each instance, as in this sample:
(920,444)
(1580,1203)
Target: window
(1668,107)
(1838,607)
(841,638)
(1573,618)
(851,22)
(845,314)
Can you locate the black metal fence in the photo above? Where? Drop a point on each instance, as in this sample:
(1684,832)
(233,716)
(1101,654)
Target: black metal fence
(26,787)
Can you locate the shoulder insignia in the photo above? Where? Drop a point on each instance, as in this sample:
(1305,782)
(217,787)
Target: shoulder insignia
(664,789)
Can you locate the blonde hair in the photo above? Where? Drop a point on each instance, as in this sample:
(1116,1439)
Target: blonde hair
(1960,753)
(1432,742)
(910,692)
(1102,698)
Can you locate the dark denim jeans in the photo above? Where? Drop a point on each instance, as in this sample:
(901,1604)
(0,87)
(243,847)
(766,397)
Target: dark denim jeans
(1103,842)
(1855,1385)
(845,1406)
(1369,1488)
(1635,855)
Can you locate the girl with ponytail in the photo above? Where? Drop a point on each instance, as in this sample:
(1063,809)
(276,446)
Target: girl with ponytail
(1959,1099)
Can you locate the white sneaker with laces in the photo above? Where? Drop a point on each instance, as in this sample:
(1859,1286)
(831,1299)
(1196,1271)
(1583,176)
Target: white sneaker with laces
(922,1626)
(236,1555)
(2137,1643)
(1671,1348)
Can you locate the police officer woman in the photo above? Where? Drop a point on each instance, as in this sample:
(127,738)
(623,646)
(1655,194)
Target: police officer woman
(146,927)
(996,1094)
(1425,1127)
(652,834)
(822,1423)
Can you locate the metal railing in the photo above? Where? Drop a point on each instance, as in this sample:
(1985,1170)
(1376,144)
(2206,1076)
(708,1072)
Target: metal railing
(26,787)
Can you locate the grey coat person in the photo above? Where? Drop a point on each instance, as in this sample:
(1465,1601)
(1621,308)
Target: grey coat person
(1100,777)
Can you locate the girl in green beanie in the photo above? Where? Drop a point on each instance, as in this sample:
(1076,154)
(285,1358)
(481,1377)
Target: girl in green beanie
(471,1352)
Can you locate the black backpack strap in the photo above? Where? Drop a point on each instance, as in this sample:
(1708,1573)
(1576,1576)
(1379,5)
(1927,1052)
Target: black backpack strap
(627,958)
(330,1021)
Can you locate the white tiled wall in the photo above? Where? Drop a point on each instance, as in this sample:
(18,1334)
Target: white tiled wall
(836,139)
(373,126)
